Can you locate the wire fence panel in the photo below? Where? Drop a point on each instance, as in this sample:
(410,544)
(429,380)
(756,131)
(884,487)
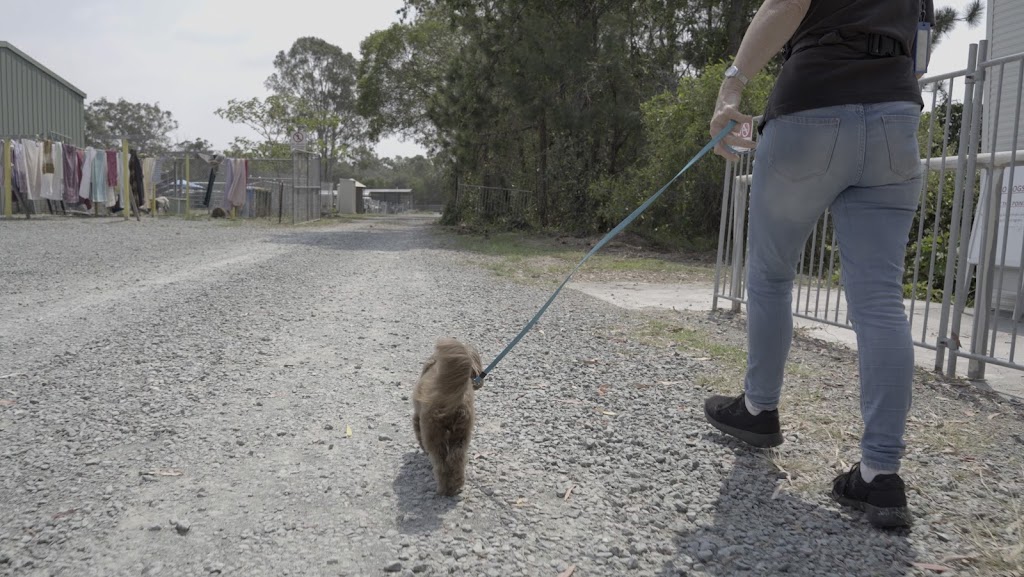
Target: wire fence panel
(277,188)
(963,280)
(495,204)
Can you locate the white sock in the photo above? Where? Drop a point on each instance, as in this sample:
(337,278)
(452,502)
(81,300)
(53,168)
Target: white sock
(869,473)
(750,409)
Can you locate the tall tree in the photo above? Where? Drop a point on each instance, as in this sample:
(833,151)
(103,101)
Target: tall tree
(946,19)
(317,82)
(194,146)
(242,147)
(536,94)
(400,69)
(146,126)
(713,29)
(267,117)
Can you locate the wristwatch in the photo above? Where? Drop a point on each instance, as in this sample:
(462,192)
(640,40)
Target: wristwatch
(733,72)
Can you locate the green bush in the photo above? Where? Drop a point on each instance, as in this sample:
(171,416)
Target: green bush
(676,127)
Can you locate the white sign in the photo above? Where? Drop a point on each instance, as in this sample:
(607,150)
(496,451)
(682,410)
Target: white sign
(298,140)
(1015,226)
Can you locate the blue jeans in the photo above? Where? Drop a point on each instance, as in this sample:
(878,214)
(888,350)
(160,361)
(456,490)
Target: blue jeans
(862,162)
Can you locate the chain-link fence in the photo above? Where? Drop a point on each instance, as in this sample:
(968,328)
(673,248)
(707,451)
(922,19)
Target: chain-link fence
(285,189)
(495,204)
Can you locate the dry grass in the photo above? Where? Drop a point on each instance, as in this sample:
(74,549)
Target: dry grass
(956,438)
(546,260)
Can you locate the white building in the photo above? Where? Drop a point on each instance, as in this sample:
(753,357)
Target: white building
(1005,34)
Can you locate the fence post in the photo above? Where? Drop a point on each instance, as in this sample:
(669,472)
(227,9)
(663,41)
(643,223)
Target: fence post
(188,187)
(722,225)
(983,307)
(739,235)
(126,204)
(8,191)
(949,338)
(967,218)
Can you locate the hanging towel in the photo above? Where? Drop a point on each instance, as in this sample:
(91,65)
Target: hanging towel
(85,183)
(15,176)
(33,159)
(148,179)
(71,176)
(80,173)
(229,171)
(21,169)
(52,167)
(235,185)
(99,177)
(56,191)
(135,179)
(112,168)
(47,157)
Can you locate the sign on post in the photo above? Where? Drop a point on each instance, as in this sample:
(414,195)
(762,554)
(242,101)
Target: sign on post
(298,140)
(1012,199)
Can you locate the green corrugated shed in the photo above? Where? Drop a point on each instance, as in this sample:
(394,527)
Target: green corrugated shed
(35,101)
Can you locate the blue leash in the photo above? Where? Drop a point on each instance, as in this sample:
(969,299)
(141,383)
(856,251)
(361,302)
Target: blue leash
(478,380)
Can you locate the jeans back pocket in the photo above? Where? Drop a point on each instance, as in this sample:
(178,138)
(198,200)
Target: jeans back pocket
(802,146)
(904,148)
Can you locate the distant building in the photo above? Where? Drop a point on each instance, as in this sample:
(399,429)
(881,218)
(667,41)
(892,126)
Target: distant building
(350,196)
(390,195)
(1005,34)
(35,102)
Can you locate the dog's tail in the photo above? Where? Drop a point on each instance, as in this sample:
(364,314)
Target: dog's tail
(456,365)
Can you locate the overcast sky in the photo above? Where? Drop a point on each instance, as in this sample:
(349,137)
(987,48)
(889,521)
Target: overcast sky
(192,56)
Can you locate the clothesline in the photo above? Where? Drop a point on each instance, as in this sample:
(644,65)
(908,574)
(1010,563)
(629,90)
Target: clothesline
(46,169)
(55,171)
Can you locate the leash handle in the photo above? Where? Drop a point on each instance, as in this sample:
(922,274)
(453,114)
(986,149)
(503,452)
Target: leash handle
(479,379)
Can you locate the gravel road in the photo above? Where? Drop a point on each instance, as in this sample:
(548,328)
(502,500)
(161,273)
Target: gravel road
(213,398)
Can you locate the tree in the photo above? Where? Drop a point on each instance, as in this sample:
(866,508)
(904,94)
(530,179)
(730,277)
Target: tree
(713,29)
(400,68)
(542,95)
(146,126)
(947,18)
(242,147)
(676,127)
(268,117)
(316,81)
(194,146)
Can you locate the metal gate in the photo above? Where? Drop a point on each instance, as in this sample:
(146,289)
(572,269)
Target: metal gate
(964,286)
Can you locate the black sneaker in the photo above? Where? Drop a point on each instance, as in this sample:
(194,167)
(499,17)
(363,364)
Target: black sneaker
(884,499)
(730,415)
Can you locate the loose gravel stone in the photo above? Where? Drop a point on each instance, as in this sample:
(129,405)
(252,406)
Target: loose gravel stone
(256,379)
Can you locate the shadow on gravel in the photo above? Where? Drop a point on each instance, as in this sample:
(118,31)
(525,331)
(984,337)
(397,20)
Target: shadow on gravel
(753,534)
(394,236)
(419,507)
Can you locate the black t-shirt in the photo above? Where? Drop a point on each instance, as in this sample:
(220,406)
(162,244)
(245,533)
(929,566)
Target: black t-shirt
(843,73)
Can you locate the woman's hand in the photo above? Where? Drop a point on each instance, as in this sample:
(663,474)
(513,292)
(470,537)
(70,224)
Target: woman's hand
(726,109)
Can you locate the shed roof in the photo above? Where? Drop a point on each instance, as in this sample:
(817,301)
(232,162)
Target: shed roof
(7,45)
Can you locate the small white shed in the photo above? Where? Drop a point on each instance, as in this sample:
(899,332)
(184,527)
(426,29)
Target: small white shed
(350,193)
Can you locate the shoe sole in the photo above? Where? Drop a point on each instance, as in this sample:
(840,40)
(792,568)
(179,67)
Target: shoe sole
(759,440)
(881,517)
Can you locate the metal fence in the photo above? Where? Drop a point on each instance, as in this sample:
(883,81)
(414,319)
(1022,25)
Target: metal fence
(493,204)
(285,190)
(963,284)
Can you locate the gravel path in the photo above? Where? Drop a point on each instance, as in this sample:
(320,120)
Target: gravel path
(211,398)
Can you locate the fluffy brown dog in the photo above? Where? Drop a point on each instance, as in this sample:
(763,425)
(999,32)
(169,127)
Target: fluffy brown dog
(443,412)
